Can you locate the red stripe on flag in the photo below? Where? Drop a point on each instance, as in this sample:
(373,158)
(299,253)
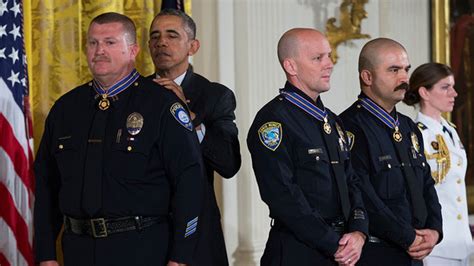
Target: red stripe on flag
(16,153)
(3,260)
(16,223)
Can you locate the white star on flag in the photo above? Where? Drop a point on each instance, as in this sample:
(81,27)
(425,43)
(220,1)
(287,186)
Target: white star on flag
(16,9)
(14,78)
(3,7)
(3,30)
(14,55)
(15,32)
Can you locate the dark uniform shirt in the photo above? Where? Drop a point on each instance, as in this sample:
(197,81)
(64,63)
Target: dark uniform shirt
(155,173)
(383,181)
(296,179)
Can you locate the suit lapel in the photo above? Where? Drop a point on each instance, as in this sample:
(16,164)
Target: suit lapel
(191,92)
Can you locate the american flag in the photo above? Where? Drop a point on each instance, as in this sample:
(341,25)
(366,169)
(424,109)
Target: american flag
(16,173)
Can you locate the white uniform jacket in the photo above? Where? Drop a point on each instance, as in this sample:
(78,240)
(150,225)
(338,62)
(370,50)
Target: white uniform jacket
(457,242)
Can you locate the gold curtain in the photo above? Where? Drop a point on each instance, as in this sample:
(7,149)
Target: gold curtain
(55,34)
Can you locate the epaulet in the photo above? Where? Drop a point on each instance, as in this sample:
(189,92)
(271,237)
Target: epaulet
(421,126)
(451,124)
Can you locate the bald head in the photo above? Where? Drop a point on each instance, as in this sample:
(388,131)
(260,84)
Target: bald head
(369,56)
(291,42)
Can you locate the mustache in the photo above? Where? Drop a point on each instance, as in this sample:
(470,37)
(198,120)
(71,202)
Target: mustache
(100,58)
(403,86)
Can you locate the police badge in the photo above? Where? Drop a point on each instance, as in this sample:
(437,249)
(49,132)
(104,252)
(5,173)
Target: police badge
(414,142)
(270,135)
(342,138)
(134,123)
(350,139)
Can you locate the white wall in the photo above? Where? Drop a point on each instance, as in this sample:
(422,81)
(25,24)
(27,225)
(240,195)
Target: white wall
(238,49)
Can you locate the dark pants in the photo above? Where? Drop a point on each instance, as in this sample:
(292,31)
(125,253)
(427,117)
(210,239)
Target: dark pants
(210,250)
(284,249)
(139,248)
(375,254)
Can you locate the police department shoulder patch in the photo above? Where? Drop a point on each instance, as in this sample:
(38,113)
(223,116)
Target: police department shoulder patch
(181,115)
(271,134)
(350,139)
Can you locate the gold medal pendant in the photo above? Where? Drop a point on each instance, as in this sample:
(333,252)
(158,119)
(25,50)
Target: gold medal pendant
(397,135)
(104,103)
(327,126)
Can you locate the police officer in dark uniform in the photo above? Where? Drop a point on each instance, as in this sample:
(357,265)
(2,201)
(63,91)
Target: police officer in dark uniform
(119,157)
(387,153)
(301,162)
(212,105)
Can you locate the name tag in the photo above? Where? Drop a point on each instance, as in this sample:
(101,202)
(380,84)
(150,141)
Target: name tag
(315,151)
(385,158)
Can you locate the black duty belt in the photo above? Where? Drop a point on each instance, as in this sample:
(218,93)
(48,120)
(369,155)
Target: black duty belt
(102,227)
(376,240)
(338,226)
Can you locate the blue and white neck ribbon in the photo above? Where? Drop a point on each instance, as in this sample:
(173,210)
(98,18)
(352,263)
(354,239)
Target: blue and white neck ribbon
(383,116)
(308,107)
(305,105)
(380,113)
(118,87)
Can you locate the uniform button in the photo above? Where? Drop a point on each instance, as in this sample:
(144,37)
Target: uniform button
(458,199)
(129,148)
(459,217)
(136,84)
(61,146)
(389,166)
(358,106)
(423,164)
(317,158)
(458,181)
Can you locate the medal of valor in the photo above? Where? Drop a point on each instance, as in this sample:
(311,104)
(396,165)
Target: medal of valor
(104,103)
(397,135)
(327,126)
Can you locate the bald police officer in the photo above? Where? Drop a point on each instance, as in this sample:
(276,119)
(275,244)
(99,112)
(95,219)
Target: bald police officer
(301,162)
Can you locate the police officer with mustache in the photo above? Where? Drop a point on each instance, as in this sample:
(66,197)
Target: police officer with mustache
(387,153)
(119,157)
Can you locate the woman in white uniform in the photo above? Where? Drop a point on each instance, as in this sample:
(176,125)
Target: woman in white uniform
(432,87)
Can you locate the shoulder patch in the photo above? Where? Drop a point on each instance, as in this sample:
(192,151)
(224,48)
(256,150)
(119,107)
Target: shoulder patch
(451,124)
(271,134)
(181,115)
(421,126)
(350,139)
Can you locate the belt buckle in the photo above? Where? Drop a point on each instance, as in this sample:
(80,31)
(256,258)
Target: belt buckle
(99,229)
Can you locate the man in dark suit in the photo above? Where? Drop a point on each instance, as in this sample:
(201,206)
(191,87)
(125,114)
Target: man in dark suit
(211,105)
